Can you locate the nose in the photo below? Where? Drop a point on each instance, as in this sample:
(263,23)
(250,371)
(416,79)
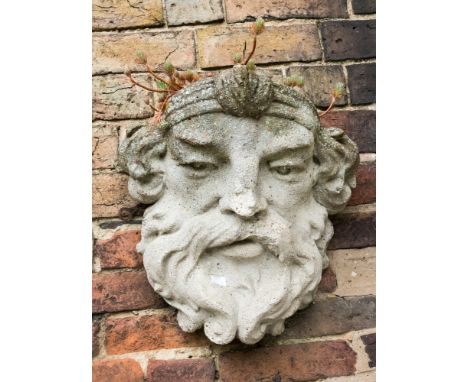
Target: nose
(246,204)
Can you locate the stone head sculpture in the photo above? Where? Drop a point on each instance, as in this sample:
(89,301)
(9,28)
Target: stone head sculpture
(241,179)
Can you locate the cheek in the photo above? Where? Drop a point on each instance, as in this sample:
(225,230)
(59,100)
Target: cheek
(193,194)
(286,195)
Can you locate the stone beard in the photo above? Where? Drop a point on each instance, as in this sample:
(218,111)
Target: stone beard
(242,179)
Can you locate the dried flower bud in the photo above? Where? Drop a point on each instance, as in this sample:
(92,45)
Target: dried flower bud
(250,66)
(168,68)
(189,75)
(164,124)
(295,81)
(237,58)
(127,71)
(140,58)
(259,25)
(338,90)
(299,81)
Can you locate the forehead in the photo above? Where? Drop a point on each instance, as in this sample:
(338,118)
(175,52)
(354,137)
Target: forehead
(228,132)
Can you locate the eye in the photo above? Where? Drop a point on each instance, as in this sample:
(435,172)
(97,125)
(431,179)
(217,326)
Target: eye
(199,166)
(286,171)
(283,170)
(198,169)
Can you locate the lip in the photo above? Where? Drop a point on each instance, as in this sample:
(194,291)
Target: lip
(244,249)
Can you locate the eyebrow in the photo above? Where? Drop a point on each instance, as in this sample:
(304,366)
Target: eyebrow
(205,145)
(194,140)
(288,147)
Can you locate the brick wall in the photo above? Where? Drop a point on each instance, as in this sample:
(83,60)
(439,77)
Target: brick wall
(135,335)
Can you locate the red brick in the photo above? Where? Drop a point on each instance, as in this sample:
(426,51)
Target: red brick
(148,332)
(242,10)
(114,292)
(310,361)
(118,14)
(120,250)
(110,194)
(348,39)
(112,52)
(115,97)
(328,283)
(364,193)
(96,328)
(218,44)
(181,370)
(353,230)
(117,370)
(358,124)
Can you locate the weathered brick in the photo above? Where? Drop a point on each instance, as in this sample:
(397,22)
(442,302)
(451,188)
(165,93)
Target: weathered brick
(96,328)
(332,316)
(320,81)
(242,10)
(148,332)
(364,193)
(344,40)
(112,52)
(120,250)
(181,370)
(218,44)
(114,292)
(361,82)
(309,361)
(353,230)
(110,194)
(328,282)
(117,370)
(354,270)
(364,6)
(370,342)
(358,124)
(105,144)
(180,12)
(118,14)
(115,97)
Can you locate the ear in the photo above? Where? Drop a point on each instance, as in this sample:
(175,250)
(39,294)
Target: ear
(337,158)
(141,157)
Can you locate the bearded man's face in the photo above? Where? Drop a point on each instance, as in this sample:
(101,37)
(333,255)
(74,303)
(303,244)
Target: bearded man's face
(232,243)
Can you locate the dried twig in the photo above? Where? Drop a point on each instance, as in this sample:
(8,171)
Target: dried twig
(150,71)
(332,103)
(129,75)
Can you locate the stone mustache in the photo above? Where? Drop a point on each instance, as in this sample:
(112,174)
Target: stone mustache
(241,179)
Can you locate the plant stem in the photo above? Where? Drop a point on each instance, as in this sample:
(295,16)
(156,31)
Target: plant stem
(146,87)
(252,51)
(152,107)
(332,102)
(163,107)
(156,76)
